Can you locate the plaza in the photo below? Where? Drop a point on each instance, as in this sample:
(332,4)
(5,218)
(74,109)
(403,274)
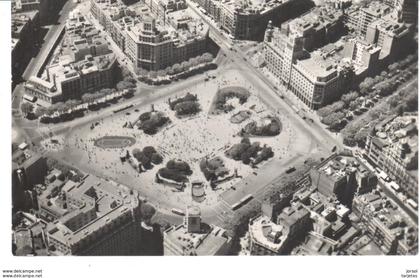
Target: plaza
(187,138)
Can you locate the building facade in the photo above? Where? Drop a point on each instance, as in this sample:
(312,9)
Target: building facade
(194,237)
(150,35)
(393,147)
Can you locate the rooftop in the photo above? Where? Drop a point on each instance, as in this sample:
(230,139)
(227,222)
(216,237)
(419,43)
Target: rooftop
(317,18)
(24,158)
(111,201)
(252,6)
(268,234)
(389,216)
(20,20)
(399,136)
(208,242)
(180,26)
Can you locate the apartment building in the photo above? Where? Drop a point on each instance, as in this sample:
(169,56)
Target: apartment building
(393,147)
(84,64)
(99,218)
(154,35)
(195,238)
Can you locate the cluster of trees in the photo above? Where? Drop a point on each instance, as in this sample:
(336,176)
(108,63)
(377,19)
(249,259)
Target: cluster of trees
(224,94)
(405,101)
(213,168)
(249,153)
(177,68)
(147,211)
(176,170)
(273,128)
(355,133)
(70,109)
(187,105)
(383,84)
(67,171)
(150,122)
(147,156)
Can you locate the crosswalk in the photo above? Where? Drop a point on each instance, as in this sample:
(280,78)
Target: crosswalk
(223,211)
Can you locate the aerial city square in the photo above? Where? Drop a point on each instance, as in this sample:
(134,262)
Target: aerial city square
(214,127)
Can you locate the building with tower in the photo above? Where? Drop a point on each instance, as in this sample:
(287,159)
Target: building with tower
(316,78)
(155,34)
(194,237)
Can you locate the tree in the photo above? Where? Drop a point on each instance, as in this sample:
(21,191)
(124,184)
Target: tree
(185,65)
(187,108)
(207,57)
(135,152)
(152,74)
(354,105)
(194,61)
(393,101)
(149,150)
(122,85)
(40,110)
(393,67)
(384,88)
(169,70)
(72,103)
(26,108)
(411,102)
(147,211)
(106,91)
(156,158)
(59,107)
(347,98)
(161,73)
(87,98)
(333,117)
(366,85)
(142,72)
(177,68)
(125,73)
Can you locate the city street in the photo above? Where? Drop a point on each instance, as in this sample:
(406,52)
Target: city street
(320,140)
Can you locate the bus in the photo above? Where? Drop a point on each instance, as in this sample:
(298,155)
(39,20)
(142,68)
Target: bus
(246,199)
(241,202)
(29,98)
(384,176)
(236,205)
(394,186)
(178,212)
(412,203)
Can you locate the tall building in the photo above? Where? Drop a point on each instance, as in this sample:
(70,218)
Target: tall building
(406,10)
(84,64)
(393,147)
(296,219)
(364,56)
(28,169)
(267,237)
(194,237)
(99,218)
(276,238)
(25,36)
(371,13)
(154,35)
(386,224)
(316,78)
(248,20)
(390,35)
